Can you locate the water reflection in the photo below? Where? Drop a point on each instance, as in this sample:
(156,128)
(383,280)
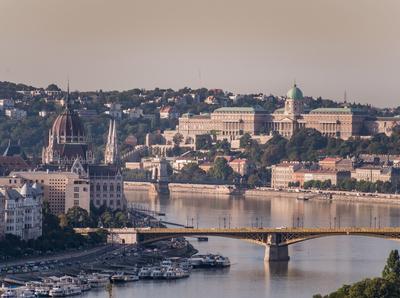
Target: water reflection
(316,266)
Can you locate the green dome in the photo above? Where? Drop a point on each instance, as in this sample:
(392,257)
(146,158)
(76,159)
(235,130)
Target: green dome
(294,93)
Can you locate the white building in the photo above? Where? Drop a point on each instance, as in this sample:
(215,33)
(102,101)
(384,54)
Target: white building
(115,110)
(23,211)
(6,103)
(133,113)
(282,174)
(43,114)
(15,114)
(62,190)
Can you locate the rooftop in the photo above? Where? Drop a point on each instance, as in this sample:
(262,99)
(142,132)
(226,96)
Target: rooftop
(345,110)
(253,109)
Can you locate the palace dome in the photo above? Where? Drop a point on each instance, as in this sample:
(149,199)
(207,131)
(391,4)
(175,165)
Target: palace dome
(68,128)
(295,93)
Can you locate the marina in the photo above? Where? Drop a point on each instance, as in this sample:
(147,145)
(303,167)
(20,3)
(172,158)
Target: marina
(71,285)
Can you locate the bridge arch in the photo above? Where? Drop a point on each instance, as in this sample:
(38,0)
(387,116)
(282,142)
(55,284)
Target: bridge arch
(275,240)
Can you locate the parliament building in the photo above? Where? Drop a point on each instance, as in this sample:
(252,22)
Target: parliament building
(69,150)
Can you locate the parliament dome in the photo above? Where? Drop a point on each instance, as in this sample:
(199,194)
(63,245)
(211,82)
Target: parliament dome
(294,93)
(68,128)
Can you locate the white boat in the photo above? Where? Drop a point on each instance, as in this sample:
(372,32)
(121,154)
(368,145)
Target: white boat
(65,290)
(42,291)
(166,263)
(157,273)
(71,290)
(98,280)
(222,261)
(119,277)
(57,291)
(170,274)
(195,262)
(131,277)
(145,272)
(28,294)
(9,293)
(85,286)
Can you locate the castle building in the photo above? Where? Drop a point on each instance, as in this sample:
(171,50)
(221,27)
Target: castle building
(232,122)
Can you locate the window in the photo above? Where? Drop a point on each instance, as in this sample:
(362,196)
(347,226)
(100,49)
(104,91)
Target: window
(76,188)
(111,187)
(118,187)
(76,202)
(104,187)
(76,195)
(98,187)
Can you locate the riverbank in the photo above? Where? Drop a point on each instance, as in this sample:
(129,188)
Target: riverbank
(212,189)
(229,190)
(325,195)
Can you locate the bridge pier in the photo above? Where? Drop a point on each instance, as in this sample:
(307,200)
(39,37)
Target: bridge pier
(276,253)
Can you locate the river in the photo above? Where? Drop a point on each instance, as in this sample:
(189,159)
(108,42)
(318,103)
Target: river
(316,266)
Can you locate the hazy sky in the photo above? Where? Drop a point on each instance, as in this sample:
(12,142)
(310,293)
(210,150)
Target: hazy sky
(328,46)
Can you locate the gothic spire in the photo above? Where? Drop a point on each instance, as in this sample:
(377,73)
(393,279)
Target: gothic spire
(111,153)
(67,99)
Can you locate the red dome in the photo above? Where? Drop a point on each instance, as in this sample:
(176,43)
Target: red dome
(68,128)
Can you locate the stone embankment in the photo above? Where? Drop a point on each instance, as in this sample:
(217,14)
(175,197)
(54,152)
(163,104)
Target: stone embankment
(324,195)
(211,189)
(141,186)
(202,188)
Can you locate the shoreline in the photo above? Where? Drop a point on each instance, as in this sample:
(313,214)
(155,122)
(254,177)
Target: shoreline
(322,195)
(230,190)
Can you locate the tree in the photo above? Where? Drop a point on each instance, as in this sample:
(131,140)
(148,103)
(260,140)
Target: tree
(203,142)
(385,287)
(220,170)
(223,145)
(191,172)
(53,87)
(392,267)
(177,139)
(78,217)
(254,181)
(245,140)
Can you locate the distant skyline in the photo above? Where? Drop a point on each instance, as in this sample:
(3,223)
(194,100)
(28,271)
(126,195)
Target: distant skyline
(328,47)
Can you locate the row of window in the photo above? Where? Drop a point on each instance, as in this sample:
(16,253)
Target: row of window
(105,187)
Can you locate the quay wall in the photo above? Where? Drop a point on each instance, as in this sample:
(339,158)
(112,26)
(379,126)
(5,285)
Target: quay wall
(131,185)
(182,188)
(324,195)
(202,188)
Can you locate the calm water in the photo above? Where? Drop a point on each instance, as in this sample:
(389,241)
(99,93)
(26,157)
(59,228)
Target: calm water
(316,266)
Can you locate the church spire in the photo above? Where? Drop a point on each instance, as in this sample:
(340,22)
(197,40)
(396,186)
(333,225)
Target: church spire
(67,99)
(111,154)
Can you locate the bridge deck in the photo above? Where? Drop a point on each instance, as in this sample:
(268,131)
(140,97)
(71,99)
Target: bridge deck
(343,230)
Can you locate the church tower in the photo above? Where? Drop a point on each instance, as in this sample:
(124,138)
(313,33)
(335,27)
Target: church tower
(111,154)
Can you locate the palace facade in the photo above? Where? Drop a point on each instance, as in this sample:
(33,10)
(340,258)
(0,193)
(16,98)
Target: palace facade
(233,122)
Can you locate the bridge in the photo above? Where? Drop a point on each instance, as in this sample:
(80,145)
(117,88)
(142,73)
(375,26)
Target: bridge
(275,240)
